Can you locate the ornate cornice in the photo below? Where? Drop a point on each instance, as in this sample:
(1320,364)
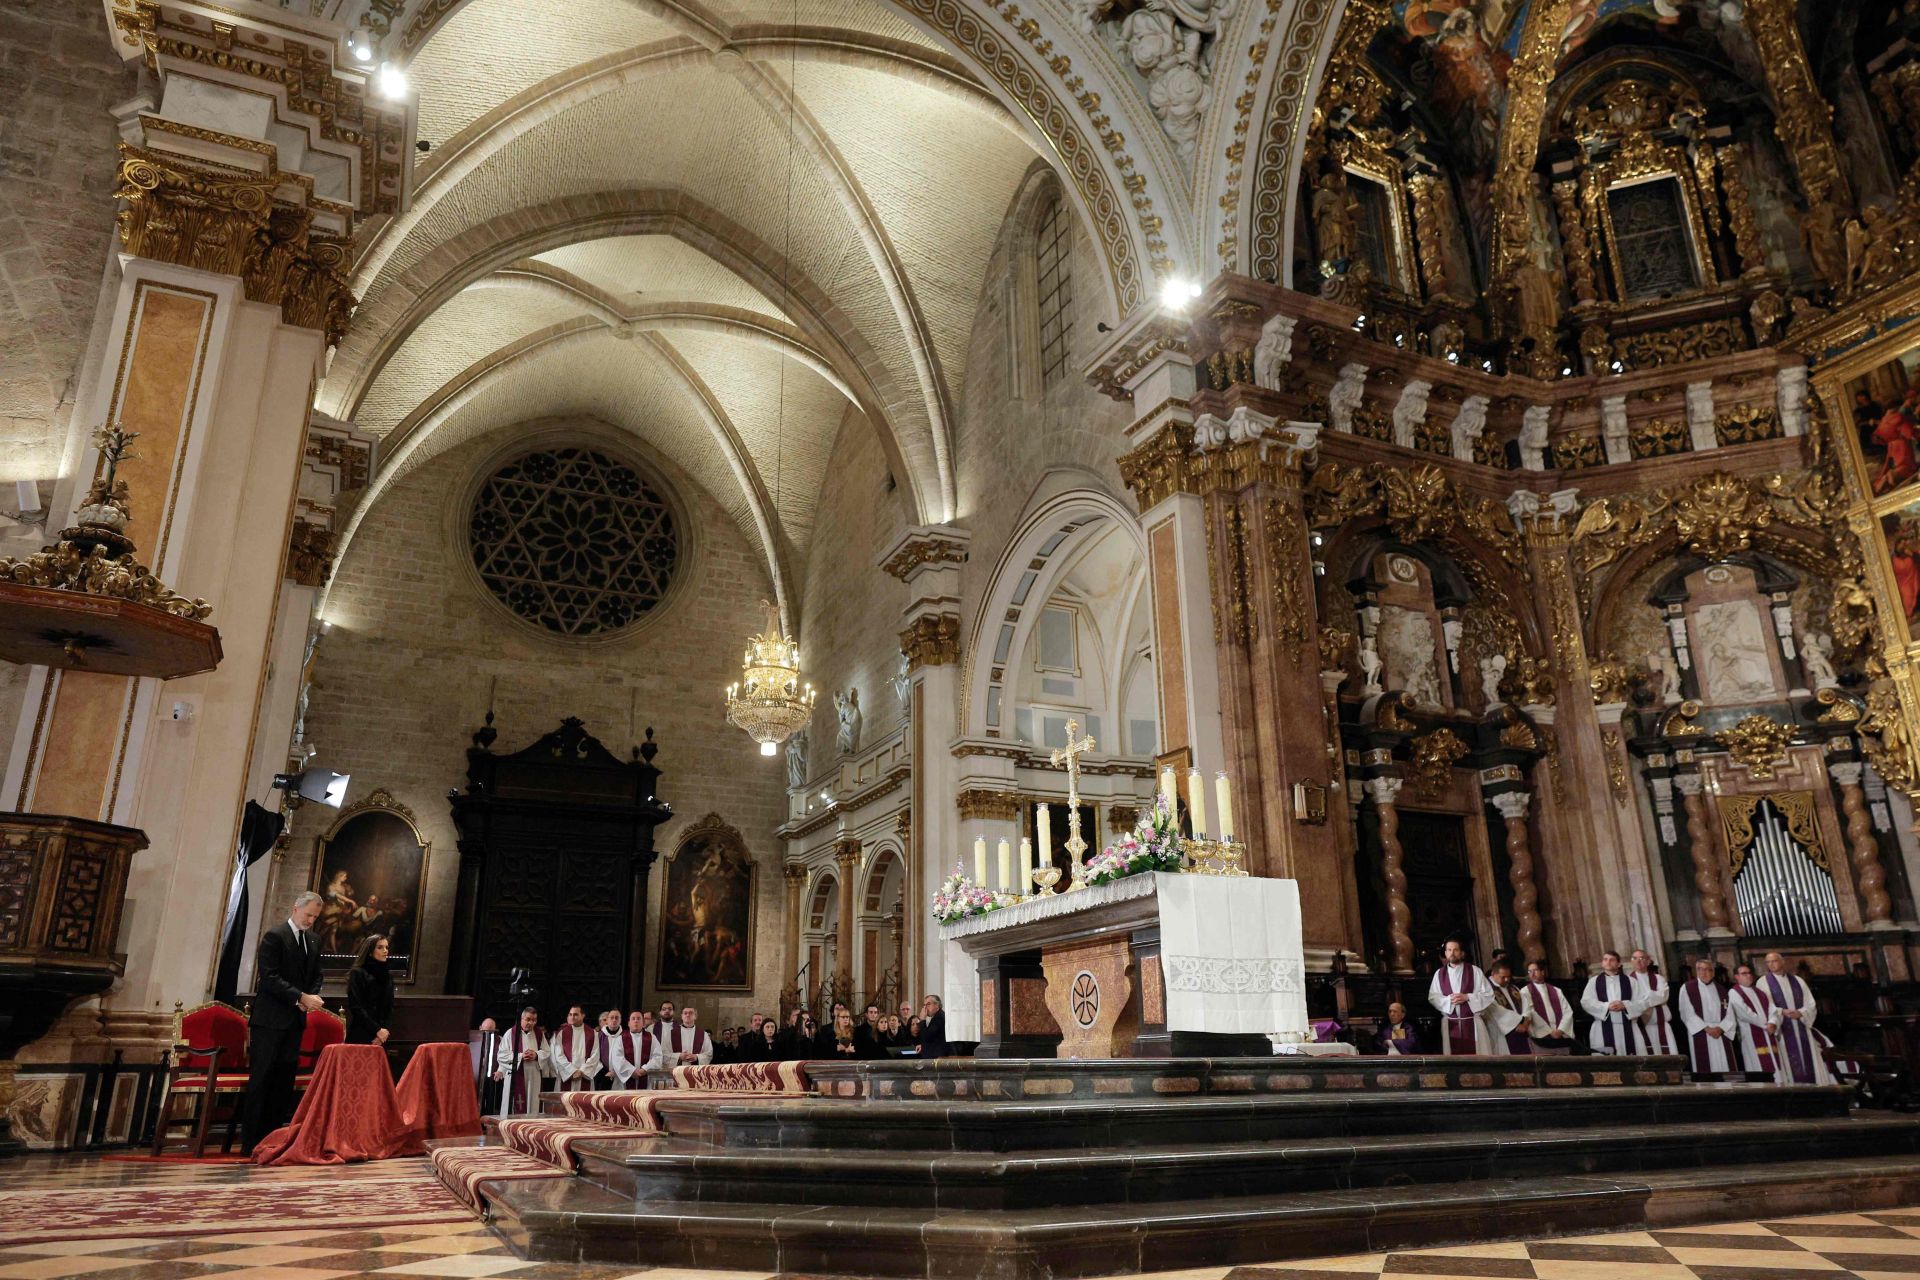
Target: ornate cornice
(989,806)
(932,640)
(915,551)
(1156,335)
(1757,742)
(1278,167)
(310,554)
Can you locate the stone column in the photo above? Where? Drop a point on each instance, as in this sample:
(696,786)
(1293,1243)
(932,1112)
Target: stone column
(928,559)
(795,874)
(846,859)
(1613,429)
(1526,898)
(1700,429)
(240,192)
(1383,791)
(1700,846)
(1869,877)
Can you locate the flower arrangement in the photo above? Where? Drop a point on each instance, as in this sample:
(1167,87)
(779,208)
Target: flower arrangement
(1152,845)
(959,897)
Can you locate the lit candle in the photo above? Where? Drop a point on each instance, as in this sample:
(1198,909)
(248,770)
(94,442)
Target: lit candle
(1026,867)
(980,861)
(1046,837)
(1197,802)
(1006,867)
(1223,800)
(1169,789)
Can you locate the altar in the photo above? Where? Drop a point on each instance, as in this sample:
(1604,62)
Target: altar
(1151,965)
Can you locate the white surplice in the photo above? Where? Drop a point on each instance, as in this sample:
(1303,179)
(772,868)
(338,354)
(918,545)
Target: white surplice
(680,1040)
(1759,1024)
(633,1054)
(1704,1010)
(1801,1061)
(1656,1019)
(573,1058)
(1613,1031)
(1456,979)
(516,1075)
(1548,1010)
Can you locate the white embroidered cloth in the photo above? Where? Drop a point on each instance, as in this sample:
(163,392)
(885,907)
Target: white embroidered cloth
(1230,950)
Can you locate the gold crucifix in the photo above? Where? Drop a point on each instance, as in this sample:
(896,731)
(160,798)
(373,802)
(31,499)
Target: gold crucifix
(1069,755)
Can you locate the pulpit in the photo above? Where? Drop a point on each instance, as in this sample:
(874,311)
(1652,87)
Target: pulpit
(1151,965)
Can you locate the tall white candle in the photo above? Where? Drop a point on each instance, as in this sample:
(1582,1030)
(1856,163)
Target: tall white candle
(1197,802)
(1223,800)
(1026,867)
(1045,825)
(1006,867)
(980,861)
(1170,789)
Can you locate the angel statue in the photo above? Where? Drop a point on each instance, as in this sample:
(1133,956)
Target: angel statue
(847,708)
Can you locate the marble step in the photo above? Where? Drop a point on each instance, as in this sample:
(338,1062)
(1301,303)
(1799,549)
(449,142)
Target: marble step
(683,1171)
(1109,1079)
(930,1125)
(574,1220)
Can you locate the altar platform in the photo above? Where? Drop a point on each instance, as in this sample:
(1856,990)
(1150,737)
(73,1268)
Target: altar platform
(1012,1170)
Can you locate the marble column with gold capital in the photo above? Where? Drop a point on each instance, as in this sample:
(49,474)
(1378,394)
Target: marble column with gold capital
(791,997)
(846,859)
(1512,806)
(234,218)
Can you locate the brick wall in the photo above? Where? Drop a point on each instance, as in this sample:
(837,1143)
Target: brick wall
(403,679)
(58,76)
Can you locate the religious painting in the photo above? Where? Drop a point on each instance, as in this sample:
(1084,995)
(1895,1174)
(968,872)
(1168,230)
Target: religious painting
(1466,63)
(370,871)
(1902,531)
(706,910)
(1883,406)
(1406,650)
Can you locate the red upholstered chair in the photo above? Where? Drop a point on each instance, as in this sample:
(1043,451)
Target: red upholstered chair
(208,1064)
(324,1027)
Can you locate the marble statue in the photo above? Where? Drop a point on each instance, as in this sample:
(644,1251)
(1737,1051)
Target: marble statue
(1273,351)
(1493,669)
(1370,668)
(1660,661)
(1731,647)
(797,759)
(902,682)
(1406,647)
(1533,437)
(847,707)
(1346,396)
(1467,426)
(1816,657)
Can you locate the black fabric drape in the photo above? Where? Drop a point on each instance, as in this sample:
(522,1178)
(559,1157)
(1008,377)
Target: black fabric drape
(259,828)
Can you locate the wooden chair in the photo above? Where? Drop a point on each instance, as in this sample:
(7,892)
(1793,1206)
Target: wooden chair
(208,1063)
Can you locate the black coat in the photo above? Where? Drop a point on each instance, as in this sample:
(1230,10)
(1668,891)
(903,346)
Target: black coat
(827,1049)
(369,1002)
(287,972)
(933,1035)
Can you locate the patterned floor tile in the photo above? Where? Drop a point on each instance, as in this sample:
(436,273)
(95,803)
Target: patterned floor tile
(462,1265)
(1760,1262)
(439,1246)
(1457,1264)
(269,1255)
(1583,1269)
(65,1248)
(58,1268)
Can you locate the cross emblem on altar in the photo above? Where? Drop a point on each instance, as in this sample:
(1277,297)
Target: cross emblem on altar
(1069,755)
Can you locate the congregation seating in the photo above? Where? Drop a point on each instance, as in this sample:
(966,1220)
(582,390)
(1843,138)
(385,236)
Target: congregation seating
(210,1069)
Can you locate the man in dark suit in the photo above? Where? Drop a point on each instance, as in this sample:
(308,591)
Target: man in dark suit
(933,1028)
(288,986)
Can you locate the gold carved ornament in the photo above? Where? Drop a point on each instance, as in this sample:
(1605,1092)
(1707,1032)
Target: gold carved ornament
(932,640)
(1887,740)
(1608,679)
(1759,743)
(1683,721)
(1514,180)
(991,806)
(1746,424)
(1616,765)
(1430,769)
(1658,438)
(1796,807)
(1839,709)
(1286,562)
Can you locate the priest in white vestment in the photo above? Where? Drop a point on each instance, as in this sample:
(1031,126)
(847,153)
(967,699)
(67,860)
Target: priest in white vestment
(1463,995)
(687,1045)
(521,1062)
(1508,1013)
(634,1052)
(1707,1017)
(1549,1013)
(610,1026)
(1614,1005)
(573,1054)
(1656,1019)
(1759,1024)
(1801,1061)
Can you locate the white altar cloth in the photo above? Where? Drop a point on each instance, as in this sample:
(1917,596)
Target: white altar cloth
(1230,947)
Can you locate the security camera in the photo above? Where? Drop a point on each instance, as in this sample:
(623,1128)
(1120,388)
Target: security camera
(182,711)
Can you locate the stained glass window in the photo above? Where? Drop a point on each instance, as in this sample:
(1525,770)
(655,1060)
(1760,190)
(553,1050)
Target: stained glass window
(1373,227)
(574,541)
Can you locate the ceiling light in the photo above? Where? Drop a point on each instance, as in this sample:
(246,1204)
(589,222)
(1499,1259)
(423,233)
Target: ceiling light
(393,81)
(1177,292)
(360,44)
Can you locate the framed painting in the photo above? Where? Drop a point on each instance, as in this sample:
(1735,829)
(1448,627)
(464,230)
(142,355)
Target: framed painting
(370,871)
(707,910)
(1900,529)
(1882,410)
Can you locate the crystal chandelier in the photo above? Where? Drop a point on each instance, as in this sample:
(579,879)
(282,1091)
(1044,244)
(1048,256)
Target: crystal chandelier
(768,701)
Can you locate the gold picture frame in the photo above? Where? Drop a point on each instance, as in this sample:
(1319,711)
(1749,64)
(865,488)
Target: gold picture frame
(708,911)
(372,855)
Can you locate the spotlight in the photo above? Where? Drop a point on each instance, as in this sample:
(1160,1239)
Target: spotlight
(1487,365)
(1360,322)
(393,81)
(1453,357)
(360,44)
(1177,292)
(322,786)
(1617,367)
(1566,371)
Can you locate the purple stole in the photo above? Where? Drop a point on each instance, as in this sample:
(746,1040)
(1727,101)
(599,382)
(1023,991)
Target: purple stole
(1553,1002)
(638,1080)
(520,1099)
(1793,1031)
(1517,1041)
(673,1040)
(1697,1048)
(1761,1034)
(1459,1020)
(565,1037)
(1629,1027)
(1398,1037)
(1660,1038)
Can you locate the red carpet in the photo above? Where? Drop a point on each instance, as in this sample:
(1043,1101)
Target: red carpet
(231,1158)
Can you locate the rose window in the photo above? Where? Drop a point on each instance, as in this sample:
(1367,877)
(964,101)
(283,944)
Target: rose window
(573,541)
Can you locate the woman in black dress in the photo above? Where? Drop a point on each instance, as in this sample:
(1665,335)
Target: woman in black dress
(369,993)
(838,1042)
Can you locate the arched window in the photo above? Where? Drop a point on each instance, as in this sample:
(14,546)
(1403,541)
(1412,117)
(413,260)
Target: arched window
(1053,276)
